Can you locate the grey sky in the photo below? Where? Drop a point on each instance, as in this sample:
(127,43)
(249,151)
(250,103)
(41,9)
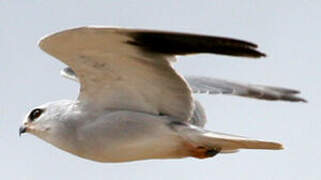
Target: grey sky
(288,31)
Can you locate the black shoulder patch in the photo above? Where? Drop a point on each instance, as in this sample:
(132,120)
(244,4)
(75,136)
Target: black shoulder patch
(181,44)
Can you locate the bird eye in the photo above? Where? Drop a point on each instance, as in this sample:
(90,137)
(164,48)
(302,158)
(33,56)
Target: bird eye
(35,114)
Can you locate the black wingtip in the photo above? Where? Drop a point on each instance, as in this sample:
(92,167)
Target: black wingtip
(293,98)
(299,99)
(182,44)
(241,52)
(304,101)
(262,54)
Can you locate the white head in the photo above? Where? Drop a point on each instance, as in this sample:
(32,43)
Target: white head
(56,123)
(47,120)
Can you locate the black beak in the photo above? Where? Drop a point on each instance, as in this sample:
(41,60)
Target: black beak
(22,130)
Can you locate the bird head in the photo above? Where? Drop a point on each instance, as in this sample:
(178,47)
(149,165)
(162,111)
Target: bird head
(44,119)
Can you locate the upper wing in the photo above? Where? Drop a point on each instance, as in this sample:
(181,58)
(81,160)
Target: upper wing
(217,86)
(130,69)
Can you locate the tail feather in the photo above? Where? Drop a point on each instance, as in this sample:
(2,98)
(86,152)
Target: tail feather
(224,142)
(230,142)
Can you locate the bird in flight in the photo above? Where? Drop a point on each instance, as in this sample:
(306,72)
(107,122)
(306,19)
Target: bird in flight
(132,104)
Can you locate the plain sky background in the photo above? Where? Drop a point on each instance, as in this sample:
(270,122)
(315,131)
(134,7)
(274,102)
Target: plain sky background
(288,31)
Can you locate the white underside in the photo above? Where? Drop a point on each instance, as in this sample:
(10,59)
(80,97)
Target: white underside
(122,136)
(119,136)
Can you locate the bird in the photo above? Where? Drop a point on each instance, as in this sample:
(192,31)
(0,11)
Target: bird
(132,104)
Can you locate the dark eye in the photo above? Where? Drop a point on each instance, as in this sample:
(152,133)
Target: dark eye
(35,114)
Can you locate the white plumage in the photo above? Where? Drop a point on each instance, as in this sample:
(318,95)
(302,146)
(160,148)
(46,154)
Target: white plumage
(132,104)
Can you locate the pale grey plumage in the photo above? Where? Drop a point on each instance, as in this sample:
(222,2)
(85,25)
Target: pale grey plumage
(218,86)
(198,117)
(207,85)
(132,104)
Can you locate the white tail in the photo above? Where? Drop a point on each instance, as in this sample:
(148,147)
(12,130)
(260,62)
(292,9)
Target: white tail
(230,142)
(225,142)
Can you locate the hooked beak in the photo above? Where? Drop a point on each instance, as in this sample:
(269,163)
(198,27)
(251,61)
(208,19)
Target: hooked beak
(22,130)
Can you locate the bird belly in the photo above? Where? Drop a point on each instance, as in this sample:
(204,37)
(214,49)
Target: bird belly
(132,149)
(128,136)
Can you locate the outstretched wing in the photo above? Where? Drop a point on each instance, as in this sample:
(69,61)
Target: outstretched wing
(130,69)
(206,85)
(218,86)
